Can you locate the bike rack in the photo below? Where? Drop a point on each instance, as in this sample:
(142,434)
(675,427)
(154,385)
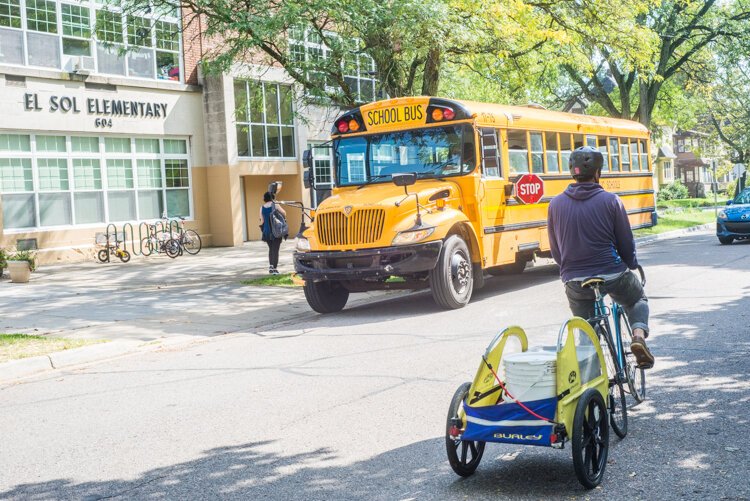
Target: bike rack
(171,227)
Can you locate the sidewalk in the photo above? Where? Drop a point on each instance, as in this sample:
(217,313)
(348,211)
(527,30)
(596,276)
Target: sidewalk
(146,303)
(154,302)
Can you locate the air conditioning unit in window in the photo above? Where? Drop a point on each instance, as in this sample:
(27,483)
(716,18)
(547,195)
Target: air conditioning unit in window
(82,65)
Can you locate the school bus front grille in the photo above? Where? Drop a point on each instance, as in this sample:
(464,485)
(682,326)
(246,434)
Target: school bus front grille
(363,226)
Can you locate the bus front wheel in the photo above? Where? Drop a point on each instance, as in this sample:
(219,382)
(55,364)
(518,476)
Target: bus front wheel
(452,280)
(326,296)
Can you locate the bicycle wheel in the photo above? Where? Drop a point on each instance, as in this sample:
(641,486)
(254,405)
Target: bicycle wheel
(590,440)
(191,242)
(636,377)
(103,255)
(172,248)
(618,410)
(464,463)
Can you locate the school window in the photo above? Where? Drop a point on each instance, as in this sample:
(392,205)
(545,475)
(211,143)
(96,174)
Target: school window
(518,152)
(323,171)
(93,36)
(358,69)
(51,181)
(265,119)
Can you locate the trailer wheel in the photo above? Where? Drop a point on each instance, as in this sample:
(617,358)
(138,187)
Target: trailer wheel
(326,296)
(451,280)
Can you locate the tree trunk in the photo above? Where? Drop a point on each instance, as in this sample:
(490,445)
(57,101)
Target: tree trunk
(431,77)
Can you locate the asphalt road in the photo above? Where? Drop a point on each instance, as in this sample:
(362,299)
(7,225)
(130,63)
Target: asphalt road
(353,405)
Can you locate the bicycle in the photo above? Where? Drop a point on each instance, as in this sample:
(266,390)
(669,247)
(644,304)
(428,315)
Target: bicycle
(161,242)
(621,364)
(189,240)
(113,250)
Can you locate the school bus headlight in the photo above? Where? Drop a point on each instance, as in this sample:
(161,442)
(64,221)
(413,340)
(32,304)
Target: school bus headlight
(412,236)
(303,244)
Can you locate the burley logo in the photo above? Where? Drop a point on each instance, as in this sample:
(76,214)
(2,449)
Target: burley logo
(517,436)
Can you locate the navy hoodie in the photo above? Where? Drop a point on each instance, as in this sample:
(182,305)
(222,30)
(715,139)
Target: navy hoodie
(589,232)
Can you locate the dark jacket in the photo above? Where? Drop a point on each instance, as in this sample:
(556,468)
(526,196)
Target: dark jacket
(589,232)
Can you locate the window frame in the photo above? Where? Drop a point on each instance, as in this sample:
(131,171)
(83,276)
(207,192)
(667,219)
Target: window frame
(95,44)
(264,123)
(101,156)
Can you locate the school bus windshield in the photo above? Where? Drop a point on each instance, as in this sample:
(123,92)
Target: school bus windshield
(432,152)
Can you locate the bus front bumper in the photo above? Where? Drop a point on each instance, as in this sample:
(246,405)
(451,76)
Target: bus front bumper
(367,263)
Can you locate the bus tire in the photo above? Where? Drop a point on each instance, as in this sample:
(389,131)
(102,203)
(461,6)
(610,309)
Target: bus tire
(451,281)
(326,296)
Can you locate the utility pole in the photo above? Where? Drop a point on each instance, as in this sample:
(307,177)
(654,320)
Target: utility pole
(715,187)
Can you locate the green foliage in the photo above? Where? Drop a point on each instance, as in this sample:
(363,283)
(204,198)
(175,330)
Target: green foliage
(3,258)
(673,191)
(24,255)
(280,280)
(677,221)
(690,203)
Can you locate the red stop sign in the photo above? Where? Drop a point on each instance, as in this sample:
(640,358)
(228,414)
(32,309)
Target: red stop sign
(529,188)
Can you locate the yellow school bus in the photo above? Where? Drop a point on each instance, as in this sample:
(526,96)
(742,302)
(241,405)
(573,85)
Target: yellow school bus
(436,192)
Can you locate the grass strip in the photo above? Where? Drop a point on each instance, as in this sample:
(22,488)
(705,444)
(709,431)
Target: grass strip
(280,280)
(670,221)
(15,346)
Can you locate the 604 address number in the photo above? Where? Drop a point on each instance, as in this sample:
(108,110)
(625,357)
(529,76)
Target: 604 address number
(103,122)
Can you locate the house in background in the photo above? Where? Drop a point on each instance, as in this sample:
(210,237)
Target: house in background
(697,155)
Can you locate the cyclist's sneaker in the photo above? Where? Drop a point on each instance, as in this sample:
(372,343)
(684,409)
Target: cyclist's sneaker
(642,354)
(272,270)
(275,271)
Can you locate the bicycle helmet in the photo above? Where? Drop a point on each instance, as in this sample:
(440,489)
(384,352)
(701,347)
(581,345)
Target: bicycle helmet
(585,162)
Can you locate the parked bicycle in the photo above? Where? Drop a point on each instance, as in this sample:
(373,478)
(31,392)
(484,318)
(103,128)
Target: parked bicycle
(621,363)
(160,242)
(116,249)
(189,240)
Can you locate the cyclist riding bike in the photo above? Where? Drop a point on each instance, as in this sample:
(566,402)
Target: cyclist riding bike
(590,235)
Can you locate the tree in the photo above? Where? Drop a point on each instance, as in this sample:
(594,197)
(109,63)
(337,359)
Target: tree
(658,41)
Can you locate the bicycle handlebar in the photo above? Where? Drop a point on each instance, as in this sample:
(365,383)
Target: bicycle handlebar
(642,274)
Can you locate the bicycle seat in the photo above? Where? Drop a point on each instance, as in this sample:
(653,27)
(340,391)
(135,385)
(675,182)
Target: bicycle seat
(592,281)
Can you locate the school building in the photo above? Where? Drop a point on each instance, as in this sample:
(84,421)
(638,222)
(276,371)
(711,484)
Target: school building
(106,118)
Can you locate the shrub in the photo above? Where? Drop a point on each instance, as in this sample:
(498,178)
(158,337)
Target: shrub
(25,255)
(673,191)
(3,259)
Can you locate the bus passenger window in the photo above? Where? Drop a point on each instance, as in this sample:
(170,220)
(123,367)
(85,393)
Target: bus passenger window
(537,153)
(603,151)
(614,151)
(489,150)
(591,141)
(634,155)
(644,155)
(577,141)
(625,154)
(518,152)
(566,147)
(553,165)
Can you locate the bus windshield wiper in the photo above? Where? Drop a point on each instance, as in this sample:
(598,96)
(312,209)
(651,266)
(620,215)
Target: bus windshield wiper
(373,178)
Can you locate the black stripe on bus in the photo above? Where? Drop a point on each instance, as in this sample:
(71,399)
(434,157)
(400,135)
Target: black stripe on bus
(566,175)
(641,211)
(488,230)
(545,200)
(516,226)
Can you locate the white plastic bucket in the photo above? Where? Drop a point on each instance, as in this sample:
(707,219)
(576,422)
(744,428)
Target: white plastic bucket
(530,375)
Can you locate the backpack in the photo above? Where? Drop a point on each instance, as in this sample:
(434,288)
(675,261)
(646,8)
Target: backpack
(279,226)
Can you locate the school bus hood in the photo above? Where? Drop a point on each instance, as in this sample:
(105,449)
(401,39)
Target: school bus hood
(386,195)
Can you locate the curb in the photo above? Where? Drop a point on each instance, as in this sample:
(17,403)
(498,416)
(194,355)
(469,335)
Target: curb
(674,234)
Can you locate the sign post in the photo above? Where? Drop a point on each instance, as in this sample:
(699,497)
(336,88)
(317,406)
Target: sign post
(529,189)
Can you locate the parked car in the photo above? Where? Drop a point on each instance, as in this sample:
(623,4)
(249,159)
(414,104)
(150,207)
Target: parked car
(733,222)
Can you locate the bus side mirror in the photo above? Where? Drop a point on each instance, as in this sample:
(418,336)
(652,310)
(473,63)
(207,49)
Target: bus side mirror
(404,178)
(307,159)
(275,187)
(308,178)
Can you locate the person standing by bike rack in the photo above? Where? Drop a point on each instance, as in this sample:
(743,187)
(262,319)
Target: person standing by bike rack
(590,235)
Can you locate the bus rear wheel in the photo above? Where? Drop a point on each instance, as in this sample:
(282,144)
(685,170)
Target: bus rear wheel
(452,280)
(326,296)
